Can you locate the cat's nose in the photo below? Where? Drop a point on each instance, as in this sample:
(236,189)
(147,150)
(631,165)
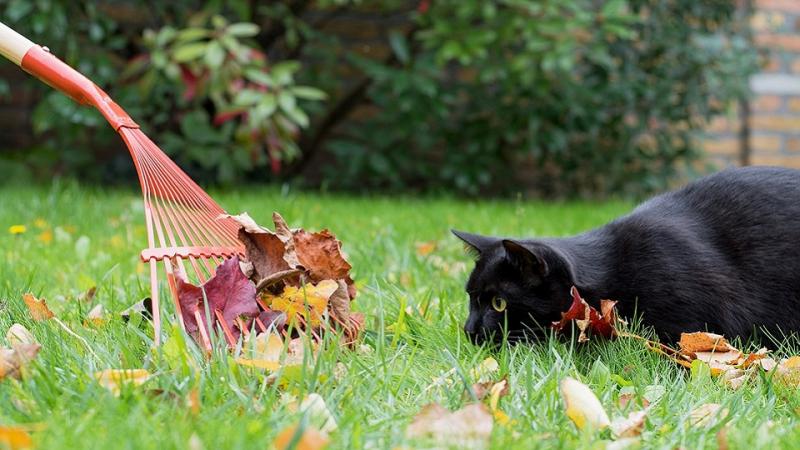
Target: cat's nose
(472,330)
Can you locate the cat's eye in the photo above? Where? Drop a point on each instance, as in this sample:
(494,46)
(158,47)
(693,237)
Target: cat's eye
(499,304)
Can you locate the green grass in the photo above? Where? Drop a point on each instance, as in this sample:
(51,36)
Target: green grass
(96,238)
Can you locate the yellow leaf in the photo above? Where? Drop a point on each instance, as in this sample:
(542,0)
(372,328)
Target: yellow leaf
(14,438)
(582,406)
(96,316)
(425,248)
(115,379)
(38,308)
(308,439)
(259,363)
(307,300)
(485,369)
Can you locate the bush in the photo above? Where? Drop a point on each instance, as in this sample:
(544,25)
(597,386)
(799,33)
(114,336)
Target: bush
(562,98)
(559,98)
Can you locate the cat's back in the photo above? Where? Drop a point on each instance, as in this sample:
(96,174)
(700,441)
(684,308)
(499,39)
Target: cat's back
(733,200)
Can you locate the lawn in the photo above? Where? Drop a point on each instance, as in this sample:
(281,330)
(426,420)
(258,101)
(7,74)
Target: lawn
(77,238)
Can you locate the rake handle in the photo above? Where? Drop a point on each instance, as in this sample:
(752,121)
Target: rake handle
(39,62)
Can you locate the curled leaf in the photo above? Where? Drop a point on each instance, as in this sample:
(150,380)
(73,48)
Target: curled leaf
(13,361)
(582,406)
(587,319)
(19,335)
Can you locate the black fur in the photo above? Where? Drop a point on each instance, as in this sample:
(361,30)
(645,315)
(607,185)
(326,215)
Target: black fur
(721,254)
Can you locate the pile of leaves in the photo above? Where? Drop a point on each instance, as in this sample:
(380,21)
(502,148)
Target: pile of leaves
(696,351)
(290,280)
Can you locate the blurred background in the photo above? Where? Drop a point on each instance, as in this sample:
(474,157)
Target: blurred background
(544,98)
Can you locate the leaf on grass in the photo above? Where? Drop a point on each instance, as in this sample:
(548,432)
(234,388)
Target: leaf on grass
(229,292)
(263,248)
(306,301)
(469,427)
(485,371)
(707,414)
(629,426)
(587,319)
(266,351)
(115,379)
(96,317)
(692,343)
(295,438)
(15,438)
(37,307)
(788,371)
(19,335)
(582,406)
(13,361)
(425,248)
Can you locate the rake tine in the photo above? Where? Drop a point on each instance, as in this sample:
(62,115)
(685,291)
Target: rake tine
(202,328)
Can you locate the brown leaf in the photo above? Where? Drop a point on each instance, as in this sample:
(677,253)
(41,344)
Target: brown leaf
(37,307)
(587,319)
(263,248)
(425,248)
(691,343)
(469,427)
(230,295)
(306,439)
(96,317)
(13,361)
(15,438)
(321,255)
(629,426)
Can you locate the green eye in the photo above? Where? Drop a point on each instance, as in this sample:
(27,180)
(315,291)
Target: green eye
(499,304)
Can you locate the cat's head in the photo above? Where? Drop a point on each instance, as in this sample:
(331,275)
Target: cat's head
(516,287)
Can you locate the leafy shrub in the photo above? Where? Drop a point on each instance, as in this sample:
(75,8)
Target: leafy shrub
(561,98)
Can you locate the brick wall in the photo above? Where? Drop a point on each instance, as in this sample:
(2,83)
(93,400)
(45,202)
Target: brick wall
(773,116)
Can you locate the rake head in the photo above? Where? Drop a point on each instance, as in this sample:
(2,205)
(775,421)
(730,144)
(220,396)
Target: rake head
(187,232)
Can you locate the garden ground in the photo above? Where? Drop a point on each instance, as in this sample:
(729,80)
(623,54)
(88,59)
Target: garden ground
(410,272)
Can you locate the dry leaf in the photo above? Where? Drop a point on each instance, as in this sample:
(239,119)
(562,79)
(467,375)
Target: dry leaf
(18,335)
(629,426)
(37,307)
(788,371)
(692,343)
(307,300)
(587,319)
(115,379)
(735,378)
(707,414)
(13,361)
(230,295)
(581,405)
(318,413)
(425,248)
(485,371)
(469,427)
(265,351)
(264,249)
(15,438)
(96,316)
(309,439)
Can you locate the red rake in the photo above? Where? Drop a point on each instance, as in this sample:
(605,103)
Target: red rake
(185,227)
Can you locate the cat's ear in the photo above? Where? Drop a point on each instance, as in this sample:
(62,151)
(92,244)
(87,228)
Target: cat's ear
(475,242)
(528,260)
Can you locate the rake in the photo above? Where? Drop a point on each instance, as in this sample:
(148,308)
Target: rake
(187,231)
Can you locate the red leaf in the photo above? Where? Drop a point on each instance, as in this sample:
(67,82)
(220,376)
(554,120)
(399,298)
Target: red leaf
(228,291)
(191,81)
(587,318)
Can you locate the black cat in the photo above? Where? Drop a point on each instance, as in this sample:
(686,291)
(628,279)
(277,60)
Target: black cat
(721,254)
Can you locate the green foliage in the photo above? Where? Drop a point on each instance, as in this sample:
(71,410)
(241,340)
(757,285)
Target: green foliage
(552,97)
(561,98)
